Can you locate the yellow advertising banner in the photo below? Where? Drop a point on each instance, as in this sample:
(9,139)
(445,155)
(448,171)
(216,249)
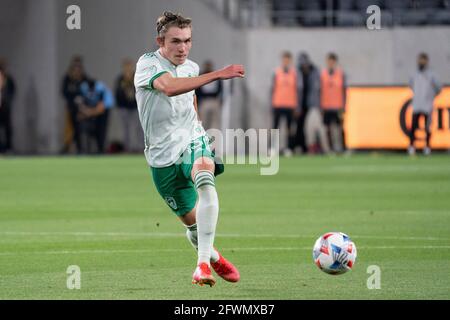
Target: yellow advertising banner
(380,118)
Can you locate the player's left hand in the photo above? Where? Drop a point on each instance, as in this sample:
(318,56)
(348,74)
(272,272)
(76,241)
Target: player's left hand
(232,71)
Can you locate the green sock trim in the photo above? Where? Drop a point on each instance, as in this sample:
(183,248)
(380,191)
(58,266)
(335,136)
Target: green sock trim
(204,178)
(200,180)
(192,228)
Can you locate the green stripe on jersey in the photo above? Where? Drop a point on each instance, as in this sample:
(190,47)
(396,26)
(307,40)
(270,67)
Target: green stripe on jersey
(156,76)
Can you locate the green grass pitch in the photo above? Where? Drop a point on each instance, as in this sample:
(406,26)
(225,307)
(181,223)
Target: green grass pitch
(104,215)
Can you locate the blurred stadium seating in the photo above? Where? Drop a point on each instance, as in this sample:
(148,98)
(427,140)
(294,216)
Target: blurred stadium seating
(337,13)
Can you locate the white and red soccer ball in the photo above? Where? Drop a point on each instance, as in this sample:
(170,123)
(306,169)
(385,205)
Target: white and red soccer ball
(334,253)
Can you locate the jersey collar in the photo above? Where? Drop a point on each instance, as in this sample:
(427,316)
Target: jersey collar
(166,61)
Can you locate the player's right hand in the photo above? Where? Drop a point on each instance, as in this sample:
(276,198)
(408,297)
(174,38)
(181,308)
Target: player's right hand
(232,71)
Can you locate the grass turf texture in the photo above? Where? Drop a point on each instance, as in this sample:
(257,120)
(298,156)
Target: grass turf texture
(104,215)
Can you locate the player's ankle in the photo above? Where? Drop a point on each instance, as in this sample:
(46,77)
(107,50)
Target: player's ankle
(204,261)
(215,256)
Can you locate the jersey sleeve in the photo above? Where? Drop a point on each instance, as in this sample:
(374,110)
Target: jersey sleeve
(148,69)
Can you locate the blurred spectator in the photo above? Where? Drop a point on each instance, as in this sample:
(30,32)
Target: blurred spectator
(93,109)
(332,100)
(285,97)
(126,102)
(209,98)
(314,127)
(71,90)
(7,93)
(425,87)
(302,108)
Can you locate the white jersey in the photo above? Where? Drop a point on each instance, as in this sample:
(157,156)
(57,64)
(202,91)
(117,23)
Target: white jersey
(169,123)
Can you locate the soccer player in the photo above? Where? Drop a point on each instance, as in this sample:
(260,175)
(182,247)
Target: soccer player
(176,145)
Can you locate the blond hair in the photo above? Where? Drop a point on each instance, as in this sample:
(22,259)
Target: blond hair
(169,19)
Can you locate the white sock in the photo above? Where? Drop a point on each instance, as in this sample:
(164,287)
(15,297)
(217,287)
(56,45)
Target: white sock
(192,236)
(207,214)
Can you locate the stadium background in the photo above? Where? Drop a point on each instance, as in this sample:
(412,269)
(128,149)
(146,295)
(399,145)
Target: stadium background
(38,47)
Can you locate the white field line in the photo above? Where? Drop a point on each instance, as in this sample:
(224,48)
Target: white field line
(182,235)
(114,251)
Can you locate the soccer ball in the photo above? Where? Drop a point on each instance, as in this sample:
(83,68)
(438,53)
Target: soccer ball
(334,253)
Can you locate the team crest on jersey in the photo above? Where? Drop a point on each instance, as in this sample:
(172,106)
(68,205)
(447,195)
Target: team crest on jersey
(171,202)
(152,70)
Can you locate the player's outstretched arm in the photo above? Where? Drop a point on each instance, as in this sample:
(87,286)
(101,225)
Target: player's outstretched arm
(171,86)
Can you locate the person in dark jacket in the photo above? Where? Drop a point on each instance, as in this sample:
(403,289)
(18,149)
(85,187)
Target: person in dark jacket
(310,104)
(209,99)
(71,91)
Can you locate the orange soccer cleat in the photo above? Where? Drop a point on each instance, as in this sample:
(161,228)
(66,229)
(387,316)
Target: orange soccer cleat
(226,270)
